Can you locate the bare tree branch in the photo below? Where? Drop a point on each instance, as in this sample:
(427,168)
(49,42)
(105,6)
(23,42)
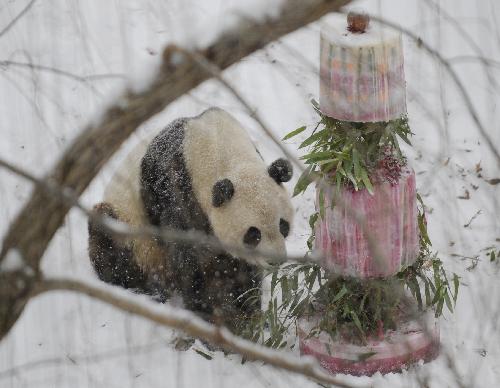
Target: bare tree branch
(194,326)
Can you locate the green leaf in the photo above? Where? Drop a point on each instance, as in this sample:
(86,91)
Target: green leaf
(327,161)
(340,294)
(448,301)
(321,204)
(364,356)
(294,133)
(456,283)
(304,181)
(274,280)
(312,220)
(366,181)
(351,178)
(428,300)
(310,278)
(355,162)
(317,156)
(419,199)
(423,229)
(415,288)
(285,291)
(203,354)
(299,309)
(357,322)
(311,139)
(404,137)
(439,308)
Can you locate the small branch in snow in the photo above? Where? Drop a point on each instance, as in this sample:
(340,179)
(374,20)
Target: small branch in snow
(473,218)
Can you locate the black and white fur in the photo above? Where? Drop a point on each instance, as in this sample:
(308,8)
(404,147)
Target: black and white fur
(200,173)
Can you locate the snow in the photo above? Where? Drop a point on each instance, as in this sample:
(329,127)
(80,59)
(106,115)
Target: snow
(66,339)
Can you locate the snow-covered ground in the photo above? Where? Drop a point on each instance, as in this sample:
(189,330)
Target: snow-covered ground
(67,340)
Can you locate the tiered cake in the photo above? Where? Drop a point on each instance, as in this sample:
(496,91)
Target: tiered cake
(367,235)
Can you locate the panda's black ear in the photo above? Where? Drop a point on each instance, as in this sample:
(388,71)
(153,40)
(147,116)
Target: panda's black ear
(280,170)
(222,191)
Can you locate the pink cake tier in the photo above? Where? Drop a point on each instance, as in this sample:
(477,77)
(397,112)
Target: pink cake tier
(413,341)
(361,74)
(390,219)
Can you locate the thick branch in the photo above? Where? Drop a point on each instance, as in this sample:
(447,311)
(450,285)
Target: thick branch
(40,218)
(192,325)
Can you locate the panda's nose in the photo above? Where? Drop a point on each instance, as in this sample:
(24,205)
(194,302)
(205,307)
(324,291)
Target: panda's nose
(252,237)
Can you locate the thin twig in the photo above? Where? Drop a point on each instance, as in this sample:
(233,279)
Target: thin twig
(454,76)
(64,73)
(17,18)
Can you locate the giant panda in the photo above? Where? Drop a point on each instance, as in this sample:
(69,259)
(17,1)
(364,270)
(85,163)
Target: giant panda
(202,173)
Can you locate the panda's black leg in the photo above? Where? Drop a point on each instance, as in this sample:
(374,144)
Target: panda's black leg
(112,261)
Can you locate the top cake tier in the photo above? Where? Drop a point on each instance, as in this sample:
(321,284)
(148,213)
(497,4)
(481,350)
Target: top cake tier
(361,73)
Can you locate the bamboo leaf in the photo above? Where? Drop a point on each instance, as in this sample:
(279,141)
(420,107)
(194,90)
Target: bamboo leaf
(364,356)
(423,229)
(455,287)
(439,308)
(321,204)
(357,322)
(340,294)
(415,289)
(448,301)
(317,156)
(352,179)
(355,162)
(428,300)
(327,161)
(274,280)
(404,137)
(366,181)
(295,132)
(203,354)
(311,139)
(304,181)
(285,291)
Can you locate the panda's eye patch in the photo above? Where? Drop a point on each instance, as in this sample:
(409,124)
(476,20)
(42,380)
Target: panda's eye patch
(222,191)
(284,227)
(252,237)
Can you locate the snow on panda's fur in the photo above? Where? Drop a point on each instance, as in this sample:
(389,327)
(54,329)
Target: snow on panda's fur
(200,173)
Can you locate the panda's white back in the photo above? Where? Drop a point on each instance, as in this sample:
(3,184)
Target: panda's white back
(123,191)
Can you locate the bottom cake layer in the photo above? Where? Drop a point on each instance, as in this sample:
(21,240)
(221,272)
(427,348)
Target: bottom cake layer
(413,341)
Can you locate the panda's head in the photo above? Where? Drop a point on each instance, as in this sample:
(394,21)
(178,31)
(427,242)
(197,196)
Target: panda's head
(244,198)
(252,209)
